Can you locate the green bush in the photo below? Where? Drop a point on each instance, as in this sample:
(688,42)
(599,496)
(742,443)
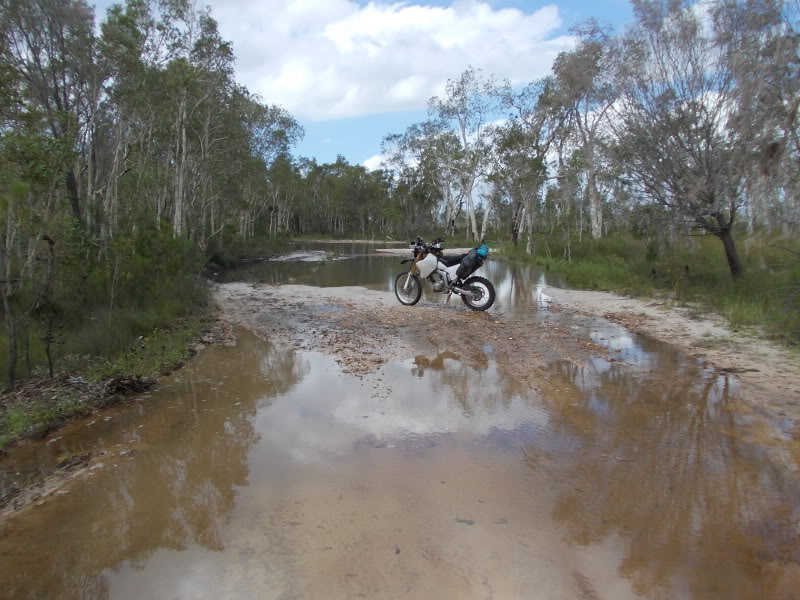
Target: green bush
(104,296)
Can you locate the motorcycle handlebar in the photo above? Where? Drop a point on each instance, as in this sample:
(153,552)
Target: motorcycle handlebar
(420,243)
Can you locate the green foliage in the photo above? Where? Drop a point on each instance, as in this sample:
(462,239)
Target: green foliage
(37,158)
(161,350)
(693,270)
(107,294)
(144,282)
(38,417)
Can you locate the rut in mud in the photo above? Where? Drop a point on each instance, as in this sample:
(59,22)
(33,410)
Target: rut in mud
(348,447)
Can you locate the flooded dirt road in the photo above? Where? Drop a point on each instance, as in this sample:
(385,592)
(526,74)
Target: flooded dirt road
(348,447)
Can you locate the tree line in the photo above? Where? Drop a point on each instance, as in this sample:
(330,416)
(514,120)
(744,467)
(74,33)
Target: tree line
(126,152)
(685,123)
(129,153)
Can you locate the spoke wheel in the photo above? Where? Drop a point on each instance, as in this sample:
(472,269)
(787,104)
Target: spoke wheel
(408,288)
(481,293)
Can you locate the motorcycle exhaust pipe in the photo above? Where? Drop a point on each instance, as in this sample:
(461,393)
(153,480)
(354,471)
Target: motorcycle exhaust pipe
(461,292)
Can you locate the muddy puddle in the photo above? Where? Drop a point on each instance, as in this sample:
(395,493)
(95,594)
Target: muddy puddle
(263,471)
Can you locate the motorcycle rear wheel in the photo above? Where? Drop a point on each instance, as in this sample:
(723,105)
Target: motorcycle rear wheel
(481,286)
(408,292)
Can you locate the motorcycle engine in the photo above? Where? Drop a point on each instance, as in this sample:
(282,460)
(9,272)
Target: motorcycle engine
(439,284)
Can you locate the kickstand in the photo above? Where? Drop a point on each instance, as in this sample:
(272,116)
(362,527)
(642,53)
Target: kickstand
(448,297)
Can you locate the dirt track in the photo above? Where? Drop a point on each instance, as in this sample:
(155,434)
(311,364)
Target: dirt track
(363,328)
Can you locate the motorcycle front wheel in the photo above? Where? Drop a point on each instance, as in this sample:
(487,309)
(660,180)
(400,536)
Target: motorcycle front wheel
(482,293)
(408,288)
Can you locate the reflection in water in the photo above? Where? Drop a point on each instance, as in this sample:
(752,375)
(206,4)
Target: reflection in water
(661,462)
(437,364)
(486,398)
(258,471)
(173,488)
(234,419)
(328,414)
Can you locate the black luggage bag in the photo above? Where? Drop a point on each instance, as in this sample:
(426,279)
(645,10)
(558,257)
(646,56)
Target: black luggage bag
(469,264)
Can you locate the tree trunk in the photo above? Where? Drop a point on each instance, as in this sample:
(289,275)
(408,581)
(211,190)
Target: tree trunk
(529,224)
(488,210)
(28,366)
(517,220)
(595,207)
(523,220)
(49,354)
(180,166)
(449,208)
(734,264)
(11,330)
(471,208)
(74,197)
(105,221)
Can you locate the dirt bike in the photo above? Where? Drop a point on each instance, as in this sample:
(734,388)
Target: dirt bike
(447,274)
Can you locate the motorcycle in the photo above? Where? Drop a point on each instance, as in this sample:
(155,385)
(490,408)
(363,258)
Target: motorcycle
(447,274)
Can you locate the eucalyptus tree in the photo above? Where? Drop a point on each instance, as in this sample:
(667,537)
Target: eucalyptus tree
(760,42)
(672,121)
(537,118)
(587,88)
(50,45)
(467,108)
(433,151)
(33,165)
(518,174)
(42,112)
(284,186)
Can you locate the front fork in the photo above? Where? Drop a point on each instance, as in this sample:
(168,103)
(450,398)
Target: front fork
(411,271)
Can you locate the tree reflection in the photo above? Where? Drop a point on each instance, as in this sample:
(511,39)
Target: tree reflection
(474,381)
(179,490)
(665,463)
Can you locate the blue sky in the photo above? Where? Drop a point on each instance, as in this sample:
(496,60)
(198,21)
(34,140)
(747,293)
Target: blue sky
(353,71)
(359,138)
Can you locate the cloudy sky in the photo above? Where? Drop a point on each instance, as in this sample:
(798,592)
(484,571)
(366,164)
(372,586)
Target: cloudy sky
(353,71)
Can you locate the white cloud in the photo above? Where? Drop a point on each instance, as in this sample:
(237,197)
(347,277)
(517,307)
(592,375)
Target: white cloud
(325,59)
(374,162)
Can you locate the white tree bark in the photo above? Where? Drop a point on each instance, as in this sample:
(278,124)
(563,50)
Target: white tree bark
(180,170)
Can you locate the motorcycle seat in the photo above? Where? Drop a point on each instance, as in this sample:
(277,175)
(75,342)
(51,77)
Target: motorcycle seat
(451,260)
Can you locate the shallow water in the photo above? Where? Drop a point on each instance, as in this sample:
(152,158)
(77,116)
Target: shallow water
(264,472)
(332,265)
